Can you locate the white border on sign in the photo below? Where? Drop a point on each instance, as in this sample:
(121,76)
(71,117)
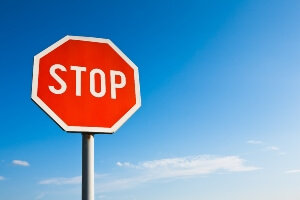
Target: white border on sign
(59,121)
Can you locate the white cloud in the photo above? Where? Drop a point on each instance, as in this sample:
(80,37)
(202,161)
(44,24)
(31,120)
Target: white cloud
(2,178)
(292,171)
(193,165)
(266,146)
(61,181)
(41,196)
(173,168)
(254,142)
(125,164)
(67,181)
(132,175)
(272,148)
(96,175)
(21,163)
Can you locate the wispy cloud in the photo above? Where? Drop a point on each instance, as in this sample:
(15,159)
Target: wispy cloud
(282,153)
(173,168)
(193,165)
(41,196)
(61,181)
(66,181)
(254,142)
(292,171)
(272,148)
(21,163)
(125,164)
(266,147)
(2,178)
(129,175)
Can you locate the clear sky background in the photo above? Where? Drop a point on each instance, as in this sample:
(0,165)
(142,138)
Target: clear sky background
(220,86)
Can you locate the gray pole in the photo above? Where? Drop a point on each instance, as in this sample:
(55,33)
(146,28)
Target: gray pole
(87,166)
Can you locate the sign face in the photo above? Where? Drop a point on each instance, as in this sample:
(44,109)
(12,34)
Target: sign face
(86,84)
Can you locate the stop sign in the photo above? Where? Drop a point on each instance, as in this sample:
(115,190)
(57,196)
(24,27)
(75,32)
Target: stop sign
(86,84)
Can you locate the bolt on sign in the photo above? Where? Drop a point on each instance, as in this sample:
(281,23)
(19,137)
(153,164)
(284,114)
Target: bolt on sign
(86,84)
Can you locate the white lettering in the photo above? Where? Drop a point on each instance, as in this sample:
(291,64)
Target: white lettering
(117,81)
(58,79)
(115,85)
(78,70)
(102,83)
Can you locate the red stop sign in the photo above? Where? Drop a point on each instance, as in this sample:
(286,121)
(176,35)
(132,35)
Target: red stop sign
(86,84)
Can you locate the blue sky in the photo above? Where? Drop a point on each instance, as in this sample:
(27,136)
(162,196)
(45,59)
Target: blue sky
(220,84)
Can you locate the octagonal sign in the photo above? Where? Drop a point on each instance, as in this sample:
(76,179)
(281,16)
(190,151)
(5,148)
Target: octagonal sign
(86,84)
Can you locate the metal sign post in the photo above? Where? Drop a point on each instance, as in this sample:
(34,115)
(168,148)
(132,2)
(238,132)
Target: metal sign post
(87,166)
